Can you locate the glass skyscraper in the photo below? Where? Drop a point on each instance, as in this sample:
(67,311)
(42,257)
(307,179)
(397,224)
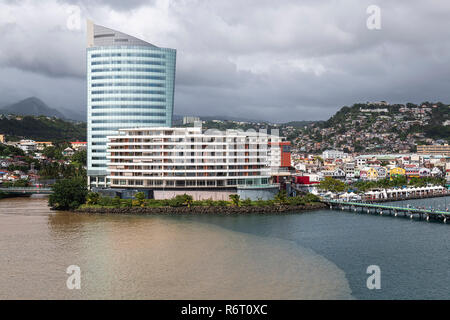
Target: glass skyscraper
(130,84)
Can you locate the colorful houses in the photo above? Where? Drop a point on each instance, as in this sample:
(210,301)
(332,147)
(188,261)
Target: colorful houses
(397,171)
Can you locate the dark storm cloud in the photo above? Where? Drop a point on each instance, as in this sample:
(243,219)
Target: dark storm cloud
(280,61)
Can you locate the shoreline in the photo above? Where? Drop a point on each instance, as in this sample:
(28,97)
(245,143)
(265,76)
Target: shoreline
(215,210)
(14,195)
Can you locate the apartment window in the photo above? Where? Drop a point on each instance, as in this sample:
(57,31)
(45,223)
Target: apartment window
(158,63)
(128,84)
(128,99)
(128,77)
(144,55)
(128,70)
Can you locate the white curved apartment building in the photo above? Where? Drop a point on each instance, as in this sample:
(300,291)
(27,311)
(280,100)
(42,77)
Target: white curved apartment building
(187,158)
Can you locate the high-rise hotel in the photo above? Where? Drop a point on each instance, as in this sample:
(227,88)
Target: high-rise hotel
(130,84)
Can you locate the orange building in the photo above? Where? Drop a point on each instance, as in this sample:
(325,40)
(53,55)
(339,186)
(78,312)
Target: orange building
(280,157)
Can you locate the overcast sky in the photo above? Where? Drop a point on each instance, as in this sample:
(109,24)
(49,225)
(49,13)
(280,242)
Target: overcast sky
(277,60)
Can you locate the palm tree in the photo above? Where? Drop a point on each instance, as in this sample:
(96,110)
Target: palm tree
(236,199)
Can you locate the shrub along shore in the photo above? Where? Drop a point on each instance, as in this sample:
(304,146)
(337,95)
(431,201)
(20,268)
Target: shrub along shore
(184,204)
(203,209)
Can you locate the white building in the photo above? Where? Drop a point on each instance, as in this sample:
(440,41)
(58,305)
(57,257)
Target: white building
(333,154)
(361,162)
(187,120)
(27,145)
(164,158)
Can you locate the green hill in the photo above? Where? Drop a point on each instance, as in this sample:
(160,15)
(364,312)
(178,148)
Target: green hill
(430,121)
(40,128)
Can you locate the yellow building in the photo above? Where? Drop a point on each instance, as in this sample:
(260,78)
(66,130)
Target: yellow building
(397,172)
(372,174)
(2,138)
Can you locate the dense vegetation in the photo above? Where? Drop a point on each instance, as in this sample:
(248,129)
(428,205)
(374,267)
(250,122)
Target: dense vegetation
(336,186)
(40,128)
(333,185)
(397,182)
(96,200)
(8,151)
(18,183)
(68,193)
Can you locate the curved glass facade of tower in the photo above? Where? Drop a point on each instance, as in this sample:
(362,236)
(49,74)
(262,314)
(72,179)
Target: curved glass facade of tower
(130,84)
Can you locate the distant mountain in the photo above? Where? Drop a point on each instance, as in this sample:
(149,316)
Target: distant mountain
(31,107)
(41,128)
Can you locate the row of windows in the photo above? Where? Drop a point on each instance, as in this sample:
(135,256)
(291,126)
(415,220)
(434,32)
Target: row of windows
(157,63)
(98,165)
(128,84)
(128,99)
(128,77)
(98,158)
(129,106)
(143,55)
(103,114)
(129,70)
(128,92)
(98,150)
(128,121)
(107,128)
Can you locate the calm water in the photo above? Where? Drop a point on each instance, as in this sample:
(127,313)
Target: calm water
(316,255)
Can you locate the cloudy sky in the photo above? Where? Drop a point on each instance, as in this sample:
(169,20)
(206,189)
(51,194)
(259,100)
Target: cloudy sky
(258,59)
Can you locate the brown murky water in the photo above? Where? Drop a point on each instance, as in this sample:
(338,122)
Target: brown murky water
(149,257)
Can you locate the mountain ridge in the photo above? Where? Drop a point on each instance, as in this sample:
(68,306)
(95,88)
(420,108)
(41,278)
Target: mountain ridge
(33,106)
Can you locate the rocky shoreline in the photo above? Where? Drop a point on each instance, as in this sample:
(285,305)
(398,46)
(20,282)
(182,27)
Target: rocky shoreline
(228,210)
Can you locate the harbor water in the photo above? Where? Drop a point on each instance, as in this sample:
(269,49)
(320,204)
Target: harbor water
(315,255)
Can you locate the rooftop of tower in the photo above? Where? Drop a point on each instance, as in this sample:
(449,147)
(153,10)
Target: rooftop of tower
(99,36)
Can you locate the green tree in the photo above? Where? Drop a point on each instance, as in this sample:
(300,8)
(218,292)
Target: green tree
(52,153)
(68,194)
(187,200)
(332,185)
(7,151)
(281,197)
(116,201)
(235,199)
(309,197)
(92,198)
(247,202)
(80,158)
(21,183)
(140,197)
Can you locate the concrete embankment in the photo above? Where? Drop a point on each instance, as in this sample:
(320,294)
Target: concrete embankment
(228,210)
